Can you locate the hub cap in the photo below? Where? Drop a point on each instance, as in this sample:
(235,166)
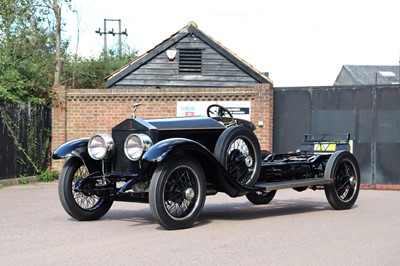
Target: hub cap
(189,194)
(249,161)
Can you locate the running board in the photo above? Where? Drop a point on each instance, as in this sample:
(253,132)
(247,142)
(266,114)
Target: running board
(268,186)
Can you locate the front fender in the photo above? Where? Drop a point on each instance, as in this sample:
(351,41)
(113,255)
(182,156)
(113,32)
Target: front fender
(77,148)
(163,149)
(67,149)
(214,171)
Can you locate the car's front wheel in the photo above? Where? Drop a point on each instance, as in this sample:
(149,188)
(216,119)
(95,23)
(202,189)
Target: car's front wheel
(177,192)
(80,204)
(343,168)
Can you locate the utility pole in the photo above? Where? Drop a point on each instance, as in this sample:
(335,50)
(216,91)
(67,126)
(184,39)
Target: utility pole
(119,33)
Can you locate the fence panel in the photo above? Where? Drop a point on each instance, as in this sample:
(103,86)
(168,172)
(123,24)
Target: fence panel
(25,132)
(387,135)
(370,114)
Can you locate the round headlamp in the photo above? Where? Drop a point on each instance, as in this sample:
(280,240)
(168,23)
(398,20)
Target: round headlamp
(100,146)
(135,145)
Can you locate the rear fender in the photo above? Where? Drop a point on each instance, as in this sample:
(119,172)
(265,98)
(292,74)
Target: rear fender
(77,148)
(214,171)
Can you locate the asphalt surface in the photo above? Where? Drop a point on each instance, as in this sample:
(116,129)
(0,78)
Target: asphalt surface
(294,229)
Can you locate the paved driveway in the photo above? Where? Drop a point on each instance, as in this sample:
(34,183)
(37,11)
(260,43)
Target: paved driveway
(294,229)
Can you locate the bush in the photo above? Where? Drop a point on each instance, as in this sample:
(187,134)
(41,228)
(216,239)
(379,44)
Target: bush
(47,176)
(23,180)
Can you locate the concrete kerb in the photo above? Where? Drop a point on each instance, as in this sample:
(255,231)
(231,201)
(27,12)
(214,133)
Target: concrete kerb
(17,181)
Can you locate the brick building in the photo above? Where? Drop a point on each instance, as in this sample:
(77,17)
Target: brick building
(189,66)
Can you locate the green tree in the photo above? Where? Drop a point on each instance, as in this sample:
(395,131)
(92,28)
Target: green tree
(32,53)
(90,72)
(26,52)
(30,49)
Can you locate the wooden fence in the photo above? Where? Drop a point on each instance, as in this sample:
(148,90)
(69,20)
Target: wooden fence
(25,139)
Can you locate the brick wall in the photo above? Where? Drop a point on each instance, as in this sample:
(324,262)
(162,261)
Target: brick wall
(82,113)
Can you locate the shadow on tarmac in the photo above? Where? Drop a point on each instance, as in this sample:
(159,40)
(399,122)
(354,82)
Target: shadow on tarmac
(231,211)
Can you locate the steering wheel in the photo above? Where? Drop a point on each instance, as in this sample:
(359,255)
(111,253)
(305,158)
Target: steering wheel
(216,110)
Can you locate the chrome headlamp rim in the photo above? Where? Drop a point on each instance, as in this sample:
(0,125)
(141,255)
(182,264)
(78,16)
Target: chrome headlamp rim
(136,145)
(100,146)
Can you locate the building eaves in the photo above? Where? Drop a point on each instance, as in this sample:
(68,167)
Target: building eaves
(234,58)
(138,61)
(191,28)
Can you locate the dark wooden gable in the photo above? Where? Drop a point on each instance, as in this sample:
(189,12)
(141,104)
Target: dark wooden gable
(199,62)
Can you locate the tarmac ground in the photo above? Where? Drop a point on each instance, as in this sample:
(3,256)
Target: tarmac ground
(296,228)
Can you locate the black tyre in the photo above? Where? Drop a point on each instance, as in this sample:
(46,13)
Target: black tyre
(177,192)
(343,168)
(238,150)
(261,198)
(79,205)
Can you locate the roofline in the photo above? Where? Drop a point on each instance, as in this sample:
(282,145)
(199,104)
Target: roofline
(351,74)
(348,70)
(142,59)
(242,64)
(191,28)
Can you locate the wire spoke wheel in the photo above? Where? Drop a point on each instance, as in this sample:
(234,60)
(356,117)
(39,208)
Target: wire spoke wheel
(238,150)
(240,162)
(177,192)
(79,201)
(83,199)
(181,193)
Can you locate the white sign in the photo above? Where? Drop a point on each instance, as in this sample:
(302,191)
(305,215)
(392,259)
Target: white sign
(239,109)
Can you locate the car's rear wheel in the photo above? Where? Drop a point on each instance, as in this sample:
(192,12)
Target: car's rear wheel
(238,150)
(80,204)
(261,197)
(343,168)
(177,192)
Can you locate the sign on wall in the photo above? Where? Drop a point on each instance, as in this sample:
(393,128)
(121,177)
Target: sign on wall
(239,109)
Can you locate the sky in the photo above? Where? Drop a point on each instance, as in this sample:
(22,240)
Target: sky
(300,43)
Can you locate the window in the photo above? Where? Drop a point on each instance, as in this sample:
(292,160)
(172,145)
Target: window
(387,74)
(190,61)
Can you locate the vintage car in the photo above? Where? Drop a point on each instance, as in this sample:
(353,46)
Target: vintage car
(173,163)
